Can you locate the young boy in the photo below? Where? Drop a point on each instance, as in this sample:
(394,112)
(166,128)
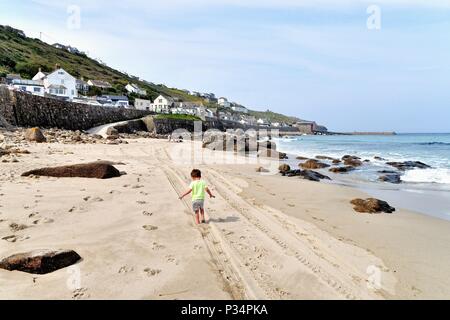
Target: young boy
(198,188)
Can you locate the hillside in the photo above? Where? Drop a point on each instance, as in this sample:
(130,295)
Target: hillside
(23,55)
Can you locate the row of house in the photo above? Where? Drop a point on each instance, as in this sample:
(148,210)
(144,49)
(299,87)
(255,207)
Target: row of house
(223,102)
(168,105)
(63,85)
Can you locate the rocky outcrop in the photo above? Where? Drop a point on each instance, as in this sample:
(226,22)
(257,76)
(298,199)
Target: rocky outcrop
(35,135)
(394,178)
(342,169)
(408,165)
(284,168)
(314,164)
(302,158)
(95,170)
(40,262)
(371,206)
(352,161)
(325,158)
(307,175)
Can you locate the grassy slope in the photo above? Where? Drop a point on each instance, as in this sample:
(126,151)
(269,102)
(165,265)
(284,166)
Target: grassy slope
(25,56)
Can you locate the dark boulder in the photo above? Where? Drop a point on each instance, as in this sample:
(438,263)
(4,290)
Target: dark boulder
(40,262)
(353,162)
(337,161)
(35,135)
(307,175)
(372,206)
(313,164)
(302,158)
(325,158)
(284,168)
(342,169)
(408,165)
(97,170)
(346,157)
(394,178)
(379,158)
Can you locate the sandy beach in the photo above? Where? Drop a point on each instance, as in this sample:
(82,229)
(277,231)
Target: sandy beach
(269,237)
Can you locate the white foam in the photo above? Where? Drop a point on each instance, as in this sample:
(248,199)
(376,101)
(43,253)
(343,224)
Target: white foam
(427,176)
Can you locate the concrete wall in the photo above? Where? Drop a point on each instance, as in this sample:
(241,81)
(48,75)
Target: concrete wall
(24,110)
(167,126)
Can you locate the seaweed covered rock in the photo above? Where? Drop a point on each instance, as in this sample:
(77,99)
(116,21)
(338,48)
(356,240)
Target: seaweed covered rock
(94,170)
(372,206)
(35,135)
(40,262)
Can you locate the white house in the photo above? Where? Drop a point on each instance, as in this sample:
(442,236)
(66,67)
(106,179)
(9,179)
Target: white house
(263,123)
(82,86)
(223,102)
(162,104)
(34,87)
(133,88)
(116,101)
(238,108)
(58,83)
(141,104)
(99,84)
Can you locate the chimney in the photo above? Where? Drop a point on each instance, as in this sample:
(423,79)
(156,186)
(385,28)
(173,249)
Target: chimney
(40,69)
(56,66)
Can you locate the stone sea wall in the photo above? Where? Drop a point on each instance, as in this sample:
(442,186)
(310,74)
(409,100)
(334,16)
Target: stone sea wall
(25,110)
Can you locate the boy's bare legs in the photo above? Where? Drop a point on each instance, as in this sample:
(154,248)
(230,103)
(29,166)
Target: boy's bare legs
(197,216)
(202,216)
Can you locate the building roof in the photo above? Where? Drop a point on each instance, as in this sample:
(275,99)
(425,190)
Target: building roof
(27,82)
(13,76)
(82,82)
(100,83)
(116,98)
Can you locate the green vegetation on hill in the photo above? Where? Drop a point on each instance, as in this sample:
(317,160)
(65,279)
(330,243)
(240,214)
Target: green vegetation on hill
(273,117)
(178,117)
(22,55)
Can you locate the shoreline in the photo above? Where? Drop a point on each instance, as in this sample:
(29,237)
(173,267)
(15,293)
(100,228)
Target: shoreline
(269,237)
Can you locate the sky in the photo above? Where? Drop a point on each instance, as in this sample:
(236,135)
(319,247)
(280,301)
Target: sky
(352,65)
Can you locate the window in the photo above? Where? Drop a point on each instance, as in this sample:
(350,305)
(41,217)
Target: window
(23,88)
(160,100)
(37,89)
(73,92)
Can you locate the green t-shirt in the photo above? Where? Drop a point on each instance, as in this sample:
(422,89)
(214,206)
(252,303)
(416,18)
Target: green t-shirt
(198,190)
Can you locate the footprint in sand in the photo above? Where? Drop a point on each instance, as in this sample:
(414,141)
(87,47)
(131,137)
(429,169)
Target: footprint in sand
(148,214)
(125,269)
(141,202)
(43,221)
(14,239)
(80,294)
(14,227)
(171,259)
(152,272)
(150,228)
(156,246)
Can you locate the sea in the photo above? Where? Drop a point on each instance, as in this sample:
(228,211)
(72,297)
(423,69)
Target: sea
(425,191)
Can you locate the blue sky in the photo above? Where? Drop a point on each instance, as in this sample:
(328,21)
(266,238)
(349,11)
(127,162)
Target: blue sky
(313,59)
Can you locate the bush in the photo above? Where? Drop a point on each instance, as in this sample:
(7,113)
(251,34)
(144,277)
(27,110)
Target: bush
(178,117)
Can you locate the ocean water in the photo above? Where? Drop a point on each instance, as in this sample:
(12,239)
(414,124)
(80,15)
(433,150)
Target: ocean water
(427,190)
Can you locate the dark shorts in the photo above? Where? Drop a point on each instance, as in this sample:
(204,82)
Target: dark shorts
(198,205)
